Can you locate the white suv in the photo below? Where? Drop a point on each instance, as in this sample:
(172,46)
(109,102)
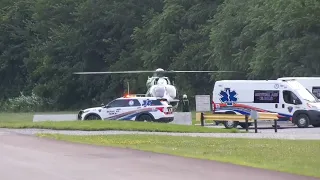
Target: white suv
(130,108)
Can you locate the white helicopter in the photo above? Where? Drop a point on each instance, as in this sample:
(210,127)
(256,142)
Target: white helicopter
(158,85)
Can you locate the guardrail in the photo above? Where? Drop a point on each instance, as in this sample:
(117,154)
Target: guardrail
(254,117)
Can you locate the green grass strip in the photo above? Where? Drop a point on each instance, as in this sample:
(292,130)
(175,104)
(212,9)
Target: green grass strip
(115,125)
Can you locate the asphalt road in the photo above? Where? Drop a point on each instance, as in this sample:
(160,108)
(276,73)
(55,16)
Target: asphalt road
(26,156)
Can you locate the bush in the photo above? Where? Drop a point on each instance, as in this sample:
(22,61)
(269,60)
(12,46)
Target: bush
(24,103)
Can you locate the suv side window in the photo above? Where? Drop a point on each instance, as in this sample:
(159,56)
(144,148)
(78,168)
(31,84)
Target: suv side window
(124,103)
(115,103)
(132,102)
(289,97)
(151,102)
(156,103)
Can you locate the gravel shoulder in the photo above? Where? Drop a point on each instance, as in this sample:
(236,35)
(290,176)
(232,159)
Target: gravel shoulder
(291,133)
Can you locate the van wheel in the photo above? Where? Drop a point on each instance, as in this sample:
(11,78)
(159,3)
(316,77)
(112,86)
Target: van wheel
(302,121)
(144,117)
(230,124)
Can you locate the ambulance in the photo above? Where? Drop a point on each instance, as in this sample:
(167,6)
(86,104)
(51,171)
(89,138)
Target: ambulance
(290,99)
(311,83)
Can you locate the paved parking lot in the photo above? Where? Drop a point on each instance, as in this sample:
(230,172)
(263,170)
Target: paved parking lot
(39,158)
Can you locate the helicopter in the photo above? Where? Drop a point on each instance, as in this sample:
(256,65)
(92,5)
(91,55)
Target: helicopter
(158,85)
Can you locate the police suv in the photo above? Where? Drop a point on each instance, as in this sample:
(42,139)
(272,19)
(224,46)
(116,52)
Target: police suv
(131,108)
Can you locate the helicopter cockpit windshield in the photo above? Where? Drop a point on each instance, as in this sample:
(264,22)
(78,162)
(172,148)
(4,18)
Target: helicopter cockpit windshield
(162,81)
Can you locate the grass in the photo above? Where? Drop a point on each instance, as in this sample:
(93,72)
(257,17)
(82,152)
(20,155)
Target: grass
(292,156)
(115,125)
(24,120)
(16,117)
(25,117)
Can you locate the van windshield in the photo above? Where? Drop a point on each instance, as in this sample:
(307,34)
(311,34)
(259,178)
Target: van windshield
(307,95)
(303,92)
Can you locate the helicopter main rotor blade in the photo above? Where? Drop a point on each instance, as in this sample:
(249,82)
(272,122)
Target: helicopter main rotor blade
(114,72)
(197,71)
(128,72)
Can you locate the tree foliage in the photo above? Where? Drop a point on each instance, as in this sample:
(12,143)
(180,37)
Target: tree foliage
(42,42)
(267,39)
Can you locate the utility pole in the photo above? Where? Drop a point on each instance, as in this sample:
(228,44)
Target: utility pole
(128,87)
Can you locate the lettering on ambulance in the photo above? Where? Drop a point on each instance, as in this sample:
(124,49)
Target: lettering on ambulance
(228,97)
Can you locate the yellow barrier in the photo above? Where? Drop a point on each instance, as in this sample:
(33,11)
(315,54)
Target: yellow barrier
(264,116)
(221,117)
(267,116)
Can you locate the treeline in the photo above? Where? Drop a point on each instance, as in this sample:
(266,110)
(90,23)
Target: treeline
(42,42)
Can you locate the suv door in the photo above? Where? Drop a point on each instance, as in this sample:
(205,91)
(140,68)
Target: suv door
(131,105)
(112,109)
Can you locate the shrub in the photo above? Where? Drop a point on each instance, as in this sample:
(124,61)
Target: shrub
(25,103)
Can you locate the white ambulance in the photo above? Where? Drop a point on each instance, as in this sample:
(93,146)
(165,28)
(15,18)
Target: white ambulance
(311,83)
(288,98)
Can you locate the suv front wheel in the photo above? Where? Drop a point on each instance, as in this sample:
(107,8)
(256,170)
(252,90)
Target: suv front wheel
(93,117)
(144,117)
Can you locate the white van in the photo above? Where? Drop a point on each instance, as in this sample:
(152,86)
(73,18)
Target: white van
(288,98)
(311,83)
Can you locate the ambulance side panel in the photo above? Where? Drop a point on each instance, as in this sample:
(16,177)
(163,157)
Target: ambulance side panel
(241,98)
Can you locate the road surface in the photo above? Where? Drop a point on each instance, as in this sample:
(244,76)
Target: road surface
(27,156)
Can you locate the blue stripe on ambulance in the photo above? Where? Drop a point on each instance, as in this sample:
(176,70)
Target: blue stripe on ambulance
(247,112)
